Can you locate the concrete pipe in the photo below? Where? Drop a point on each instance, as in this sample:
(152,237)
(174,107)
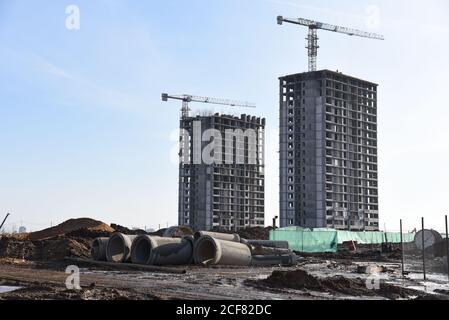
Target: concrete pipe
(119,247)
(267,243)
(218,235)
(284,260)
(258,250)
(431,237)
(211,251)
(98,249)
(160,251)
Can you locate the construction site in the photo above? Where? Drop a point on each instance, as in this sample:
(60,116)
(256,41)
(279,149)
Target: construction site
(116,263)
(325,242)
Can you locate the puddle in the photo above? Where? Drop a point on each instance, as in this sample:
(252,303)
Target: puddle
(5,289)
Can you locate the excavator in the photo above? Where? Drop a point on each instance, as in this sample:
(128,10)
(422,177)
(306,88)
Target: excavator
(4,220)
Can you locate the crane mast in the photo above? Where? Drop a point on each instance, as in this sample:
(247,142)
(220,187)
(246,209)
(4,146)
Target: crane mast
(312,38)
(186,99)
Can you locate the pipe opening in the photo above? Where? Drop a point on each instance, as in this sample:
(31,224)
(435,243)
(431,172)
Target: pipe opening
(206,251)
(95,250)
(141,251)
(116,248)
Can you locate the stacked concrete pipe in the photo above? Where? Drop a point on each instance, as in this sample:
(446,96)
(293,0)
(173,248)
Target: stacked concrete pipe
(161,251)
(98,249)
(119,247)
(212,250)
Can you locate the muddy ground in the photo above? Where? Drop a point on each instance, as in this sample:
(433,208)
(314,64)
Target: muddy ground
(315,278)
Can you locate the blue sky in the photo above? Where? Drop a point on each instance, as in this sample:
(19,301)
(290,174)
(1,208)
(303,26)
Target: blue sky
(83,131)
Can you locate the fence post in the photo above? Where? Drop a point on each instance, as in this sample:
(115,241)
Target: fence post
(447,248)
(402,250)
(423,250)
(302,240)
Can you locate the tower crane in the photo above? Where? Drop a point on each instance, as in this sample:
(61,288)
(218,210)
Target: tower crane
(312,39)
(186,99)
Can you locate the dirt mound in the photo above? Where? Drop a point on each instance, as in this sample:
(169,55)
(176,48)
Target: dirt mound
(302,280)
(71,226)
(11,247)
(90,234)
(176,232)
(255,233)
(59,248)
(127,231)
(44,250)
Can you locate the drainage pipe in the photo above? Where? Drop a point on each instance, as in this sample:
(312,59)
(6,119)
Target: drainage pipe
(284,260)
(119,247)
(98,249)
(267,243)
(218,235)
(258,250)
(160,251)
(212,251)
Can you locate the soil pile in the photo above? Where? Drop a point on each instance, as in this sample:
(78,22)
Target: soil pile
(51,249)
(89,225)
(127,231)
(72,238)
(255,233)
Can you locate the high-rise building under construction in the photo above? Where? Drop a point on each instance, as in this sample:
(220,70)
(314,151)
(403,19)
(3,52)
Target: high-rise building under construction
(228,190)
(328,151)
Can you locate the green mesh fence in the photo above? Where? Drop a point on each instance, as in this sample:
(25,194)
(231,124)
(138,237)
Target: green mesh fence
(326,240)
(304,240)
